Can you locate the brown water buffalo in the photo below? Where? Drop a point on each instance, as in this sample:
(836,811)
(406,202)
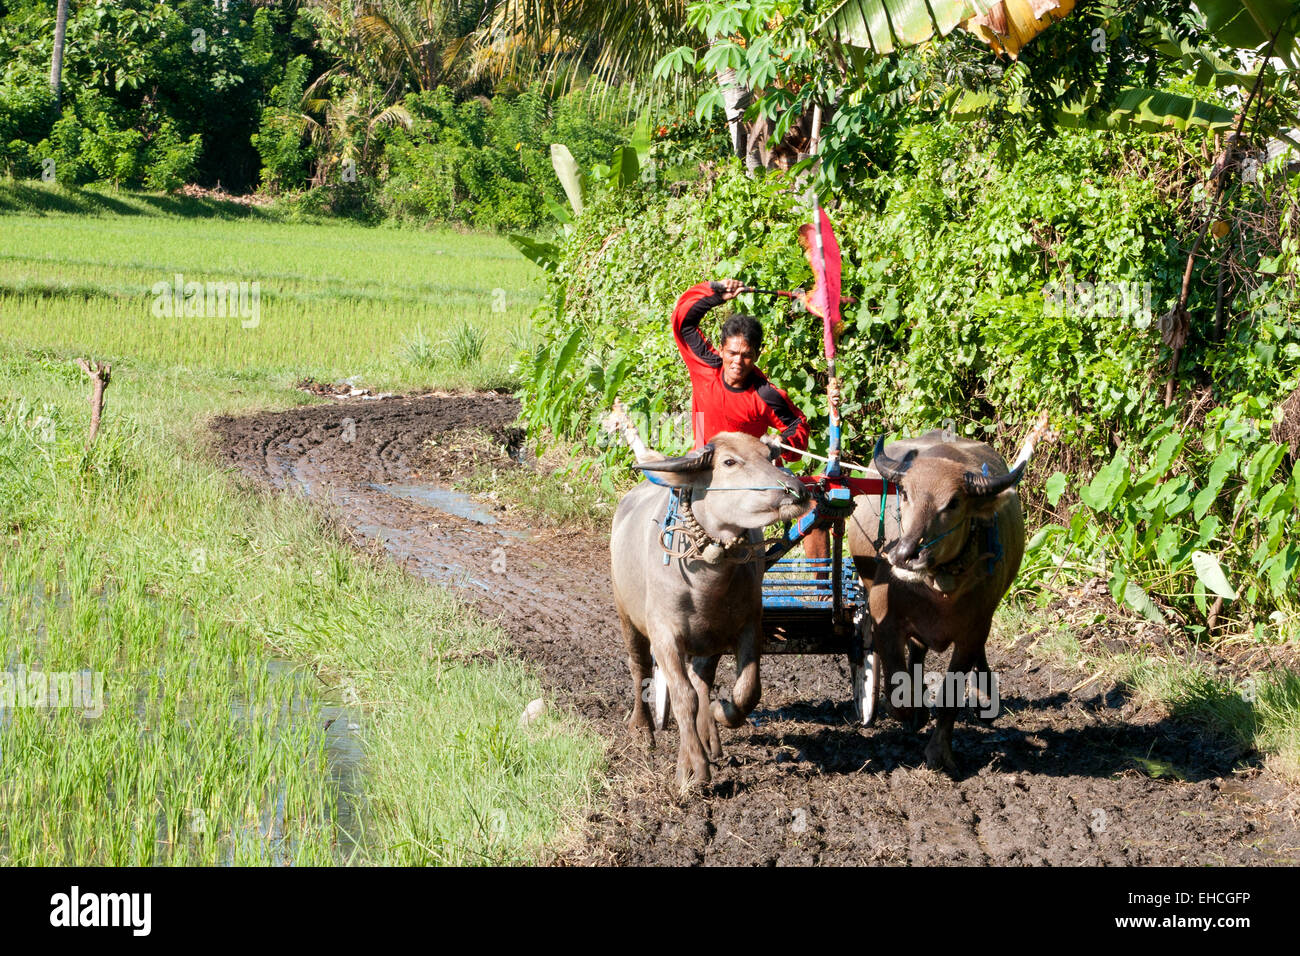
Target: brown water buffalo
(936,564)
(705,599)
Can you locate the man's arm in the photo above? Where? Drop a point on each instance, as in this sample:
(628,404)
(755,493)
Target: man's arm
(694,303)
(785,418)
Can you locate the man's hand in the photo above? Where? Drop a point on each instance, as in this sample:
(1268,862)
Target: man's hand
(730,288)
(833,392)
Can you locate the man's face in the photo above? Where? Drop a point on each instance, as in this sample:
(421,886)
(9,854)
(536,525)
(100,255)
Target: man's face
(737,360)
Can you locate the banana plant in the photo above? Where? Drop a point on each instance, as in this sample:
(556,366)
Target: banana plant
(883,26)
(1261,30)
(1254,25)
(1138,108)
(625,168)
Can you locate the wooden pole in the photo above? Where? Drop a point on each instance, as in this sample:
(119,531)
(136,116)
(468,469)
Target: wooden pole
(100,375)
(833,448)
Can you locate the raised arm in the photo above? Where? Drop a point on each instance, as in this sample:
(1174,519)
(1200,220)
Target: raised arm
(695,302)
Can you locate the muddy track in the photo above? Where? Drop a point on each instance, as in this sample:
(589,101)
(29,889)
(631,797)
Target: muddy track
(1056,779)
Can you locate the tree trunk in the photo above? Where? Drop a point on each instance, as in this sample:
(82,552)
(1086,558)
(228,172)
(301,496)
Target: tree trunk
(735,97)
(56,65)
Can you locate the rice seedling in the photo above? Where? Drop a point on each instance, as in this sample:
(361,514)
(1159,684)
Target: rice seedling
(419,350)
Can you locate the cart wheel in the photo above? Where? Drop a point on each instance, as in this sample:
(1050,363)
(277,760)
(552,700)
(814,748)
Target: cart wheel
(659,697)
(866,688)
(865,676)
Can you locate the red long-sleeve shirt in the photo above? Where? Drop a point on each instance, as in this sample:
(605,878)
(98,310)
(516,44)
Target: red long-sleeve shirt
(717,407)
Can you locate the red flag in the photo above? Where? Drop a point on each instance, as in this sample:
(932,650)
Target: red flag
(824,299)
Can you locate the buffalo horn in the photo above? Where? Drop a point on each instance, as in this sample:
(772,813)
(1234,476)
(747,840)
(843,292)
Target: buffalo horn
(984,486)
(890,469)
(699,460)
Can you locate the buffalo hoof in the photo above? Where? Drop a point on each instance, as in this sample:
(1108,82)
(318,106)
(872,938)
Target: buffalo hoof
(915,718)
(941,758)
(707,730)
(713,745)
(692,778)
(640,728)
(728,714)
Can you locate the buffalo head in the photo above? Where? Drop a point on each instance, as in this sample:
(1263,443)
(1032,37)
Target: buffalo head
(939,493)
(733,483)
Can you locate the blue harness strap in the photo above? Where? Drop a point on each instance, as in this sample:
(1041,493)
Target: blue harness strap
(669,519)
(993,543)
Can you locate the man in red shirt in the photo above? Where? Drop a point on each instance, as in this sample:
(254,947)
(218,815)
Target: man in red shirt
(728,393)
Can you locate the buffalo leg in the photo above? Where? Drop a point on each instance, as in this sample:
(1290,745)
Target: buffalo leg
(692,765)
(641,666)
(701,674)
(749,687)
(938,751)
(916,652)
(987,700)
(900,694)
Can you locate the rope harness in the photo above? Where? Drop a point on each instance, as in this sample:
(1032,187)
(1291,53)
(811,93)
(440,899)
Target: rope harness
(971,553)
(701,545)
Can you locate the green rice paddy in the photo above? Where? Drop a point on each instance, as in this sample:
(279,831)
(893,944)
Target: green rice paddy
(270,696)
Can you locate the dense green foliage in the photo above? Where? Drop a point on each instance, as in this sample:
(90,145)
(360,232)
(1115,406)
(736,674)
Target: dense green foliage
(486,164)
(1005,261)
(971,309)
(145,83)
(288,98)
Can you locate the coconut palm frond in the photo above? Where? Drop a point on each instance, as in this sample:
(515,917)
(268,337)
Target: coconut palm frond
(622,39)
(378,30)
(395,115)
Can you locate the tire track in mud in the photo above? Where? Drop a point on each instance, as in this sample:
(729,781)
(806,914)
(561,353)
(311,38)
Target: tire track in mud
(1053,780)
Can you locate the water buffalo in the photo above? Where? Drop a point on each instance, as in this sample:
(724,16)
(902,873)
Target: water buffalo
(937,559)
(703,599)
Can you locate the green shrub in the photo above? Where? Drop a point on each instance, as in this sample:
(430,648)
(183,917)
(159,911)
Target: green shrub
(169,160)
(89,142)
(27,113)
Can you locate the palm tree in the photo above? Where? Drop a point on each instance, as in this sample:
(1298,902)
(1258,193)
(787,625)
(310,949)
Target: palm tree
(623,39)
(415,44)
(423,40)
(346,129)
(56,65)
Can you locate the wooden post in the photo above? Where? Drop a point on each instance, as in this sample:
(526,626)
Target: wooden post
(100,375)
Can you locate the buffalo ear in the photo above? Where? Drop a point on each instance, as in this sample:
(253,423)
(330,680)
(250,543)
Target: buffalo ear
(986,506)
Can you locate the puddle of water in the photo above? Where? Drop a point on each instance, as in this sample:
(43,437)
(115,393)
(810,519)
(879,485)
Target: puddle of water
(443,499)
(1237,791)
(291,476)
(340,722)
